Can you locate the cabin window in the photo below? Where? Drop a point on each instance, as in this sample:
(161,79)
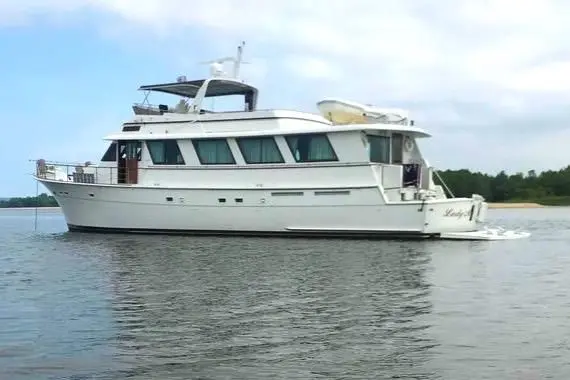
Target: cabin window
(379,149)
(311,148)
(397,148)
(165,152)
(213,152)
(111,153)
(130,150)
(260,150)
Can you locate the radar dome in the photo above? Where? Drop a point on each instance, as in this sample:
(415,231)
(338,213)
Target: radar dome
(216,69)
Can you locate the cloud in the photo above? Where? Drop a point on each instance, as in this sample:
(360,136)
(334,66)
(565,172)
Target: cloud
(549,78)
(465,68)
(313,68)
(21,13)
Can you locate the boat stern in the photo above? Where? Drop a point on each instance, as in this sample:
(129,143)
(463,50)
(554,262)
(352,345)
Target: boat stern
(463,219)
(454,215)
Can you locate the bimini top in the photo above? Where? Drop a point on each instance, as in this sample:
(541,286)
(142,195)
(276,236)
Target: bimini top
(204,88)
(216,87)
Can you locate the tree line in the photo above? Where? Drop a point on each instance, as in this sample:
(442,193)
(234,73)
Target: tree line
(551,187)
(42,200)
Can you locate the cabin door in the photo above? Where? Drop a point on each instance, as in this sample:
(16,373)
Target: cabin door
(128,161)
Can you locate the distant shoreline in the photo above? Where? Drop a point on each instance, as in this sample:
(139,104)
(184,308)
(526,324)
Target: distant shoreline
(30,208)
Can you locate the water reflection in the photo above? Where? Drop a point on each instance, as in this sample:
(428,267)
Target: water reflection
(253,308)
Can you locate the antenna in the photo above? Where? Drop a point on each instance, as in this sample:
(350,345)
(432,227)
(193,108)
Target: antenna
(216,65)
(238,62)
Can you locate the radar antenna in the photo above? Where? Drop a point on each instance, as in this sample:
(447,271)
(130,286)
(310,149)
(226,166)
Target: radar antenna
(217,65)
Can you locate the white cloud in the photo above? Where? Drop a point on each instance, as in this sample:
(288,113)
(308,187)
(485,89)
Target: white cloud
(473,64)
(313,68)
(552,77)
(509,13)
(17,13)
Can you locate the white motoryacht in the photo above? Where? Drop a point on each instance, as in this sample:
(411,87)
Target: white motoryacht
(350,170)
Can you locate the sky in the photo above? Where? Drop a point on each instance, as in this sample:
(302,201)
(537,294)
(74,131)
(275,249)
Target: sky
(489,79)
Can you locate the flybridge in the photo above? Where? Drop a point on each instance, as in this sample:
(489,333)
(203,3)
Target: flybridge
(217,85)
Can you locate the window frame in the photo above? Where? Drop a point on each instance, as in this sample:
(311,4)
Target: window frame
(224,139)
(240,140)
(165,141)
(297,135)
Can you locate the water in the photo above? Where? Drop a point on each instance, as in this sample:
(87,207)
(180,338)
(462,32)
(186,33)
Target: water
(85,306)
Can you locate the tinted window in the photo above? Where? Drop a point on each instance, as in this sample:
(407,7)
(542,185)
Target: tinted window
(165,152)
(311,148)
(379,149)
(111,153)
(213,152)
(397,148)
(260,150)
(130,150)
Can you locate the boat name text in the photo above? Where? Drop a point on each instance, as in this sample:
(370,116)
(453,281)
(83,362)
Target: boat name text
(453,213)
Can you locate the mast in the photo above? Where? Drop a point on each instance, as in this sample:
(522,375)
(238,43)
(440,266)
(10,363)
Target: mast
(237,61)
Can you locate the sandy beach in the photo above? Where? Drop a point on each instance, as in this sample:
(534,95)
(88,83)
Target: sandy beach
(515,205)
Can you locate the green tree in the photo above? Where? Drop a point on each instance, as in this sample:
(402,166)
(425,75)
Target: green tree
(550,186)
(42,200)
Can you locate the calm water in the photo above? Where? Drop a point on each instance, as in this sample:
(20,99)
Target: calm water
(84,306)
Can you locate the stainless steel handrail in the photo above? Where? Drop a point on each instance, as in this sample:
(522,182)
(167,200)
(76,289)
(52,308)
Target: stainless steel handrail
(81,173)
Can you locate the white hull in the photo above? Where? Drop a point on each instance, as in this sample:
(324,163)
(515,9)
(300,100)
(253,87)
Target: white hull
(138,209)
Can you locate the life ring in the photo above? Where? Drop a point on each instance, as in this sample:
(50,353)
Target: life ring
(408,144)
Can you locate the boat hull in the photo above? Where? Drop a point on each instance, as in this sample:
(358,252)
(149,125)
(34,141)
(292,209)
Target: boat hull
(358,212)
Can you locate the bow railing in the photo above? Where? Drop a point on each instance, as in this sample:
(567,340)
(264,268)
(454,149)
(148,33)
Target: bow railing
(81,173)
